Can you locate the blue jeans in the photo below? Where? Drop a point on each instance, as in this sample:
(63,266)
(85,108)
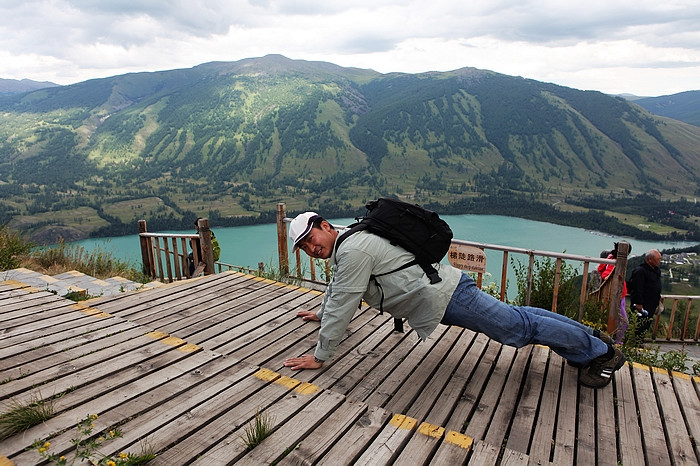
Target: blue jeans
(518,326)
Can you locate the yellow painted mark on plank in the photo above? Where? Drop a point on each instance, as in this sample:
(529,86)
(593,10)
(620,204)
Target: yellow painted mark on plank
(431,430)
(696,378)
(403,422)
(17,284)
(266,374)
(306,388)
(4,461)
(461,440)
(287,382)
(659,370)
(189,348)
(173,341)
(166,339)
(91,311)
(681,375)
(75,273)
(636,365)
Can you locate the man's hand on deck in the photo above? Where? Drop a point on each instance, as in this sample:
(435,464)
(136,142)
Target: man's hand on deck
(308,315)
(303,362)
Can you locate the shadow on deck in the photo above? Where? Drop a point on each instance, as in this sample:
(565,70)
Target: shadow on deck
(187,366)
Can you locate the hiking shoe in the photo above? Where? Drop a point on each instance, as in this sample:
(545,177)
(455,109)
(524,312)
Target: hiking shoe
(599,335)
(603,336)
(598,373)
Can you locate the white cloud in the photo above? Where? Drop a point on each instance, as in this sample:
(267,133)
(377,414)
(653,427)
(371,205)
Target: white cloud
(637,46)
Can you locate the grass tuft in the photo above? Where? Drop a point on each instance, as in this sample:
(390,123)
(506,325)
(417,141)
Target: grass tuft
(18,417)
(258,430)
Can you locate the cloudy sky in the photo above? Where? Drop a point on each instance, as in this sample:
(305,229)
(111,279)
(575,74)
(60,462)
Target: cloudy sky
(642,47)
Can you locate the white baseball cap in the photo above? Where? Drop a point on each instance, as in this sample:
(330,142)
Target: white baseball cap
(301,226)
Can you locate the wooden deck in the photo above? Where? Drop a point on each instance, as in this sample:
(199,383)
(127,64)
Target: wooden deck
(187,365)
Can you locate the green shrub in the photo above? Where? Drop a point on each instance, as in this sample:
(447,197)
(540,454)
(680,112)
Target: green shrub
(12,247)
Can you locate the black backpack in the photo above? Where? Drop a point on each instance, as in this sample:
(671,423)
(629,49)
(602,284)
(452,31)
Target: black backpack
(419,231)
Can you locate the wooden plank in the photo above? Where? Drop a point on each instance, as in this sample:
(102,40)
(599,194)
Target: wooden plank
(543,438)
(565,439)
(397,376)
(453,450)
(677,435)
(507,404)
(356,439)
(36,347)
(514,458)
(585,447)
(26,364)
(389,442)
(407,396)
(321,439)
(363,343)
(173,426)
(260,328)
(133,399)
(470,398)
(482,416)
(219,420)
(204,321)
(629,435)
(91,367)
(656,450)
(296,417)
(233,318)
(522,428)
(307,345)
(395,348)
(690,405)
(39,324)
(484,454)
(451,395)
(606,438)
(421,445)
(433,391)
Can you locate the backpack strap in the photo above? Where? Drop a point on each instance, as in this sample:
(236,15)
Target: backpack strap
(428,269)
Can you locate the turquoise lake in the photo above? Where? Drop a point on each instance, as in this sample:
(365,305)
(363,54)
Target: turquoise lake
(248,245)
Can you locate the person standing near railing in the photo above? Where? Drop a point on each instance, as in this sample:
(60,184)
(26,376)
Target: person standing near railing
(196,246)
(455,300)
(645,292)
(605,270)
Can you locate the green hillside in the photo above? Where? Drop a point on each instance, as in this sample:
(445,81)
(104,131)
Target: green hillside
(231,140)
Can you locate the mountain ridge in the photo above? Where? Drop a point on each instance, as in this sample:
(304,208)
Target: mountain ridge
(229,140)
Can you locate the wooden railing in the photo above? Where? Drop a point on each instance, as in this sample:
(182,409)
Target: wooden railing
(164,256)
(610,297)
(678,328)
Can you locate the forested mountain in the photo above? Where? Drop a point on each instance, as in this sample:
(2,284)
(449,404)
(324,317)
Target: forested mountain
(229,140)
(18,86)
(684,106)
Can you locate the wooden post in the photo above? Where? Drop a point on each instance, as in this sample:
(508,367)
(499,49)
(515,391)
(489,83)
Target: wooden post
(147,268)
(623,250)
(282,241)
(504,279)
(207,250)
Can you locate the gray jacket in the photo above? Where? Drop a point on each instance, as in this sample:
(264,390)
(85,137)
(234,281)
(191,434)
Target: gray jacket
(407,293)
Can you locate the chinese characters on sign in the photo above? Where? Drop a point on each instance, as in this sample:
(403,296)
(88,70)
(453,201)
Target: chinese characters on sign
(467,258)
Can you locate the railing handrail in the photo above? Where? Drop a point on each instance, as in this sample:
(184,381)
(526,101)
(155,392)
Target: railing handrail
(169,235)
(164,255)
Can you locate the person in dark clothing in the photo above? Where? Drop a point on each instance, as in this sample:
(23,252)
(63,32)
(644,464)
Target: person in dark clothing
(645,291)
(196,245)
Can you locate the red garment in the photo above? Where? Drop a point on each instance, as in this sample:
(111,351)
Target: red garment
(606,269)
